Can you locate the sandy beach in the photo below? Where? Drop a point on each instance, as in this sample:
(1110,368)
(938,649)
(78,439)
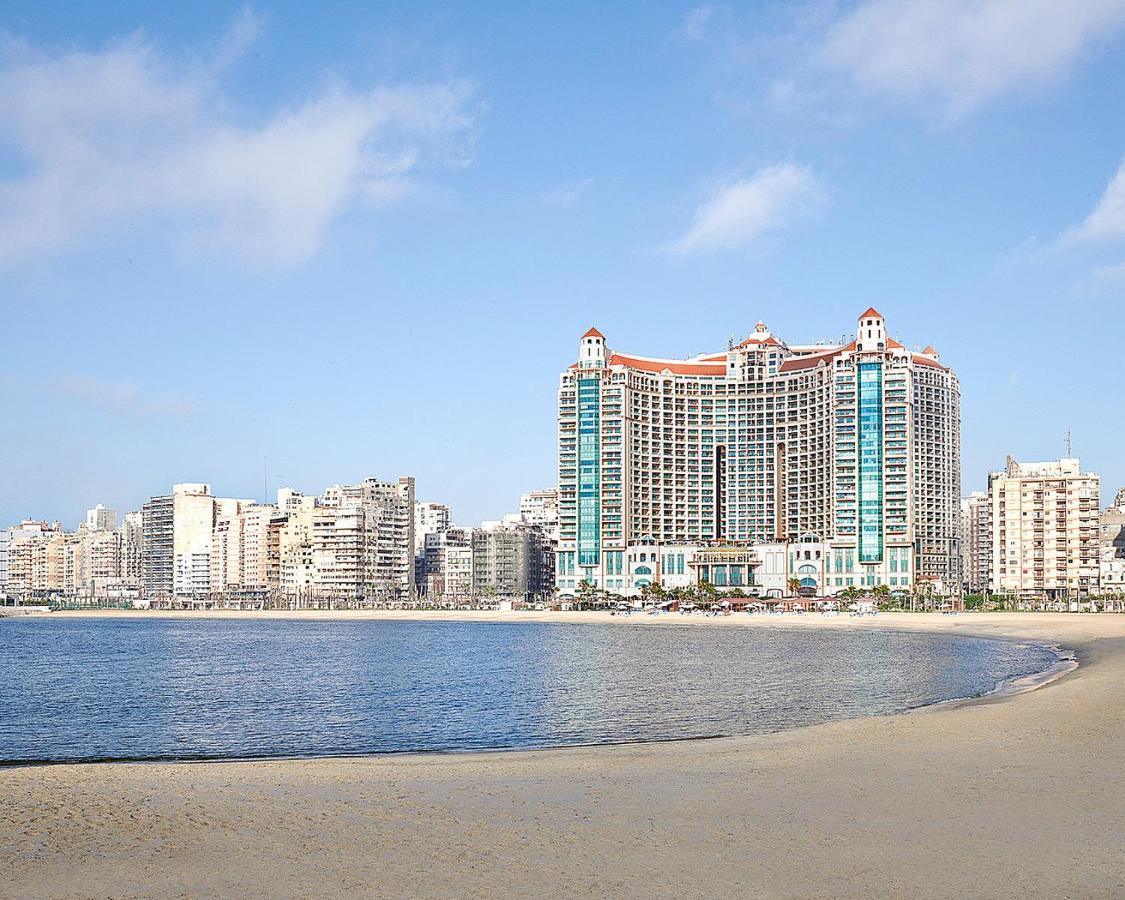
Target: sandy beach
(1019,795)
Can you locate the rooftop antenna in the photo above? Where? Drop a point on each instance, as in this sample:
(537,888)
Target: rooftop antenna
(1069,444)
(730,342)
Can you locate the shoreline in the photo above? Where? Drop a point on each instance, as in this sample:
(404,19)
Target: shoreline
(1066,662)
(1006,795)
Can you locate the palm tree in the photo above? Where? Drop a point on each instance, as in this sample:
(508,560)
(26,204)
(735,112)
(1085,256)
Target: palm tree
(793,585)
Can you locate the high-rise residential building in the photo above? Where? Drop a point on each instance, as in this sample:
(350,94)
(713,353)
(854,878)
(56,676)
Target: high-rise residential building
(976,541)
(512,561)
(131,533)
(855,444)
(429,518)
(295,548)
(157,516)
(24,563)
(240,549)
(387,526)
(541,509)
(193,521)
(447,564)
(1044,518)
(97,560)
(101,519)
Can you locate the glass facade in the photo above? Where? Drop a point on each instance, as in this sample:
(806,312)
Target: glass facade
(589,472)
(870,462)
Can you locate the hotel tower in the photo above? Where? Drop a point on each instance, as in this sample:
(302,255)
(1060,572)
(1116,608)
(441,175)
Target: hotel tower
(855,445)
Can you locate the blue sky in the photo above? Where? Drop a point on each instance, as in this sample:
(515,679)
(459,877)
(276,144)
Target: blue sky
(366,243)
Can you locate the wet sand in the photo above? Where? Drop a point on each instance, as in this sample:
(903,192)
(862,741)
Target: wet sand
(1018,795)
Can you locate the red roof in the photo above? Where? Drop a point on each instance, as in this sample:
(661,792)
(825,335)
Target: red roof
(872,313)
(674,366)
(593,332)
(799,363)
(930,350)
(919,359)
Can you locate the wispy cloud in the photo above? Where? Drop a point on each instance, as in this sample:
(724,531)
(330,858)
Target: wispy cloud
(126,135)
(570,194)
(738,214)
(120,397)
(961,54)
(824,61)
(1101,279)
(1107,220)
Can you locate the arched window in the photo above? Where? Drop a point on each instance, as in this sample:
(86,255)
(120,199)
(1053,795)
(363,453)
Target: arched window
(642,570)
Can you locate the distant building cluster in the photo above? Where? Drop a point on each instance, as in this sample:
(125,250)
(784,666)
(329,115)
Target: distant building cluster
(353,545)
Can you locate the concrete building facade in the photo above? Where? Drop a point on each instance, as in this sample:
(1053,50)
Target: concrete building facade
(514,561)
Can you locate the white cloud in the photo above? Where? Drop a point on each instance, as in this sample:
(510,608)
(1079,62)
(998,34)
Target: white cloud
(1107,221)
(961,54)
(128,136)
(738,214)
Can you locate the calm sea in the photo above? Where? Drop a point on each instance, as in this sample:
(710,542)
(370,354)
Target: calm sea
(73,689)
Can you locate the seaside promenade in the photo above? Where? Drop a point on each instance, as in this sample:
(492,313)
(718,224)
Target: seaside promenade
(1020,795)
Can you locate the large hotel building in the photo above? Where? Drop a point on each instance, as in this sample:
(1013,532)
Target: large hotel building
(854,446)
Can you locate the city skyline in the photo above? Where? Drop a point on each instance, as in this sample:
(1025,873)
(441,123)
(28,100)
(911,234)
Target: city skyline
(366,323)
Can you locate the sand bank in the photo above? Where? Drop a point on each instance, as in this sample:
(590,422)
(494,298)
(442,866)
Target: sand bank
(1011,796)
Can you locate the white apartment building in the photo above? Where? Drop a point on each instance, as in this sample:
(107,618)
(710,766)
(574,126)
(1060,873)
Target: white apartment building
(976,541)
(541,509)
(240,549)
(856,444)
(1045,529)
(429,518)
(447,564)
